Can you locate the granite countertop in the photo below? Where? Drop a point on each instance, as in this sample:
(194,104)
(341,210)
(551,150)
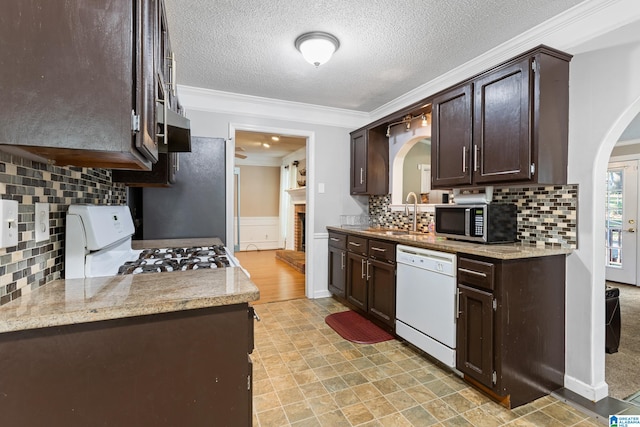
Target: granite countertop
(430,241)
(64,302)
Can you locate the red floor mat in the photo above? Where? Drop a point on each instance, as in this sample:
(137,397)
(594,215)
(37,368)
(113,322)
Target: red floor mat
(355,328)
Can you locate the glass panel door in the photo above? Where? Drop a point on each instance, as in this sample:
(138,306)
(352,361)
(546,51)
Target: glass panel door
(620,225)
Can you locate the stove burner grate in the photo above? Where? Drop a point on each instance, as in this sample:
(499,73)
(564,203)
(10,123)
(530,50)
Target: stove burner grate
(177,259)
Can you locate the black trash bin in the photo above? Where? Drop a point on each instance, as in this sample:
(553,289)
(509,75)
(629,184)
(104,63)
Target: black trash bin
(612,336)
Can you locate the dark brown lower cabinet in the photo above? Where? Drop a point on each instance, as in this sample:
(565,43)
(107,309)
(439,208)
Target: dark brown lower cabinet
(181,368)
(337,264)
(475,334)
(511,326)
(357,280)
(370,279)
(382,291)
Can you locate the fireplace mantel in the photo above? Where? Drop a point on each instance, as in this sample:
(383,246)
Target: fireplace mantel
(298,195)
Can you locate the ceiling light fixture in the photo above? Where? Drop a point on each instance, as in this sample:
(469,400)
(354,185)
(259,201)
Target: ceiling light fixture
(317,47)
(265,145)
(275,138)
(406,120)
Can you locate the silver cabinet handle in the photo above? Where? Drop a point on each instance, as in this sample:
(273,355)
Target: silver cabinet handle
(475,273)
(334,239)
(362,268)
(342,266)
(368,277)
(373,248)
(464,158)
(475,158)
(165,109)
(355,244)
(361,175)
(458,292)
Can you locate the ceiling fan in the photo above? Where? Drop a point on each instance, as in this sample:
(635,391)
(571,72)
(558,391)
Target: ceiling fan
(240,155)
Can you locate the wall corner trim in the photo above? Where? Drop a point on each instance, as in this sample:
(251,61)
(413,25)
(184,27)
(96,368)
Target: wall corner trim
(592,392)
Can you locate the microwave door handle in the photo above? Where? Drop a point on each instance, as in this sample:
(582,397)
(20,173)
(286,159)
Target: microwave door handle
(467,219)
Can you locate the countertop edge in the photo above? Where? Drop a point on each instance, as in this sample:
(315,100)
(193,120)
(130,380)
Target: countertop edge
(509,251)
(122,312)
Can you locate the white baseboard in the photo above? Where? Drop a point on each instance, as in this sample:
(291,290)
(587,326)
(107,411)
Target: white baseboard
(593,393)
(320,294)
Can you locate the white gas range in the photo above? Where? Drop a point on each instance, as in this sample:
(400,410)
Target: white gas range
(98,244)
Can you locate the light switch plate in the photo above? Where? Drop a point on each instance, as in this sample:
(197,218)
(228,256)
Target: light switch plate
(41,220)
(8,223)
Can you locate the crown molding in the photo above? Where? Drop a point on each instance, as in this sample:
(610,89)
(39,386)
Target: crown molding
(564,31)
(215,101)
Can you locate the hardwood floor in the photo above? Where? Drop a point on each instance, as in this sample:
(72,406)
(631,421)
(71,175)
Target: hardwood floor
(276,280)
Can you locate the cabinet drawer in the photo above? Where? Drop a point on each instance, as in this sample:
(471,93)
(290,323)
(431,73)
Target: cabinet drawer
(357,244)
(338,240)
(476,273)
(384,251)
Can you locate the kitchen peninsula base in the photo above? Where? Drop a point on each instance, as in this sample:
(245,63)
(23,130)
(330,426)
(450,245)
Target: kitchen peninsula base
(179,368)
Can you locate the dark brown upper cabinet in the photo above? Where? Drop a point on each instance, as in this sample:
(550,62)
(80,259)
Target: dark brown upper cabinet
(79,82)
(162,173)
(508,125)
(451,137)
(369,162)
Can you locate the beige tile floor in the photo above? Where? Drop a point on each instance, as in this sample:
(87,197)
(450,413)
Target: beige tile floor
(307,375)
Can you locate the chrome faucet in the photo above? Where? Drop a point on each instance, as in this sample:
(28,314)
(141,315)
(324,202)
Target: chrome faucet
(415,209)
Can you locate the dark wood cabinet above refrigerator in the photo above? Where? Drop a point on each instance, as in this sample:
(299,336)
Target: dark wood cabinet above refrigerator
(81,82)
(162,174)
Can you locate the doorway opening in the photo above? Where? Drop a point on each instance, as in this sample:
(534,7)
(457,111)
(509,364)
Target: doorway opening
(272,162)
(622,373)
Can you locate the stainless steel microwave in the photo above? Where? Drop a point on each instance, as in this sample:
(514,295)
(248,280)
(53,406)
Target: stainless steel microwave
(486,223)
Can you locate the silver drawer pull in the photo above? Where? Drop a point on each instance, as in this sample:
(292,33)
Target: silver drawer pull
(378,249)
(475,273)
(354,244)
(334,239)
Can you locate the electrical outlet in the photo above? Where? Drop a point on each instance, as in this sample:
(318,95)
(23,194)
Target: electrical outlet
(42,222)
(8,223)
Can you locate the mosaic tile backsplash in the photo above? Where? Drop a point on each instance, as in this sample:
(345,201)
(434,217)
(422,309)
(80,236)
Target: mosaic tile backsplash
(30,265)
(547,216)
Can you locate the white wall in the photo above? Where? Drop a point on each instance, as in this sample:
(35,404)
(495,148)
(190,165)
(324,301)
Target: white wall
(604,98)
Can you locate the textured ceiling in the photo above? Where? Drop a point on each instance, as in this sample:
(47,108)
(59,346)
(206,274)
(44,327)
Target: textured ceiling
(387,48)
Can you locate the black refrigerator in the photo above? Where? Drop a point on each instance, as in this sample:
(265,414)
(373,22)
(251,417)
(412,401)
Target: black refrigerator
(195,205)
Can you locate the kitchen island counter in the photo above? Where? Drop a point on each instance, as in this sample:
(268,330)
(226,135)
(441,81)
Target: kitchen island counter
(73,301)
(430,241)
(161,349)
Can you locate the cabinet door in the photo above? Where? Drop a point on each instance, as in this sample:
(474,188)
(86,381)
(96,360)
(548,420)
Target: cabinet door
(474,355)
(502,125)
(337,271)
(162,173)
(145,78)
(451,138)
(357,280)
(359,162)
(382,291)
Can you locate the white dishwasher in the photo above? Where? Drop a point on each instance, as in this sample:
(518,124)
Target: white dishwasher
(426,301)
